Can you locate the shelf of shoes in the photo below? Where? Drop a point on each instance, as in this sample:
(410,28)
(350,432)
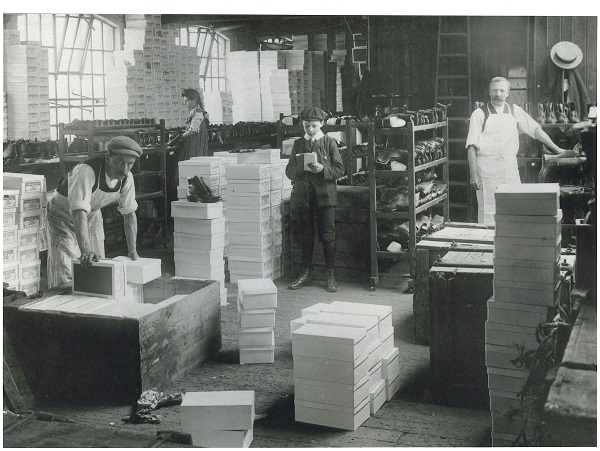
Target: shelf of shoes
(345,363)
(526,283)
(27,89)
(24,230)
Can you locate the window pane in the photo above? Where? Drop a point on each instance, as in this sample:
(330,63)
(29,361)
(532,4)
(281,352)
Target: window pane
(96,35)
(82,26)
(71,24)
(51,88)
(86,86)
(97,62)
(33,27)
(75,65)
(63,115)
(51,62)
(62,87)
(64,60)
(108,33)
(99,113)
(47,30)
(98,81)
(87,114)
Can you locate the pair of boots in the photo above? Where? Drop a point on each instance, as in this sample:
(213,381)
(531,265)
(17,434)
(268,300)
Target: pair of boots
(199,191)
(305,279)
(557,113)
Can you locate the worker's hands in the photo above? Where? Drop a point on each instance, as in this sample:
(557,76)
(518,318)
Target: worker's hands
(315,168)
(475,182)
(87,258)
(566,153)
(133,255)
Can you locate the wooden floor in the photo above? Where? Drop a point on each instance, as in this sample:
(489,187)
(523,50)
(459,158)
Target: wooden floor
(412,418)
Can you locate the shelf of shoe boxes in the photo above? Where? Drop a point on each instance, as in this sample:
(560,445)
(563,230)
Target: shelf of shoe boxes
(526,280)
(24,230)
(345,363)
(27,89)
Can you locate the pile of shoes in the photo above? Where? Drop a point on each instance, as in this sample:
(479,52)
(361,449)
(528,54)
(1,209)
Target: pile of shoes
(429,150)
(391,230)
(224,132)
(429,191)
(384,155)
(361,178)
(557,113)
(28,151)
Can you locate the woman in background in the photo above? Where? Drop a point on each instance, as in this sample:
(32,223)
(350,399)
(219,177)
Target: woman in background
(194,141)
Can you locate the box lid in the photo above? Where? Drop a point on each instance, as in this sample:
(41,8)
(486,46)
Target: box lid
(249,287)
(338,334)
(528,190)
(343,319)
(357,308)
(218,398)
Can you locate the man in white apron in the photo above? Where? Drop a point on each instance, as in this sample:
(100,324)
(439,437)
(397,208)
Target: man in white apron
(74,217)
(493,143)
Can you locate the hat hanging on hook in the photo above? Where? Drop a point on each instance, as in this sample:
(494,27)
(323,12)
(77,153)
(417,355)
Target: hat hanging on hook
(566,55)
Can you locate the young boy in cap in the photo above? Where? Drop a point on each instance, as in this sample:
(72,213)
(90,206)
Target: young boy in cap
(314,195)
(74,216)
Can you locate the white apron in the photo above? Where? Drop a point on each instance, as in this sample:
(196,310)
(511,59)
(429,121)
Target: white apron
(496,161)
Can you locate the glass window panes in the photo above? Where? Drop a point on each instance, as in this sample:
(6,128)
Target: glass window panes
(33,27)
(96,35)
(47,30)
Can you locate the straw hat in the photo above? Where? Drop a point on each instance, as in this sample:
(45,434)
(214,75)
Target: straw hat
(566,55)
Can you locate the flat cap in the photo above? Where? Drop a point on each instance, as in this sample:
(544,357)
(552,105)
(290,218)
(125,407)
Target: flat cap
(125,146)
(313,114)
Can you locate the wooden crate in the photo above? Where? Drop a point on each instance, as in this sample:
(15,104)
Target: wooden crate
(115,355)
(458,299)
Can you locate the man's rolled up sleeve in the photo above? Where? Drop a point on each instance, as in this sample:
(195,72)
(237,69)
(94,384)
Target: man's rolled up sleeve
(127,202)
(475,128)
(81,182)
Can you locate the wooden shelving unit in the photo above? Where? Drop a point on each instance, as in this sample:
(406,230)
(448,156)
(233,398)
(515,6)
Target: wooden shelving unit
(411,133)
(152,164)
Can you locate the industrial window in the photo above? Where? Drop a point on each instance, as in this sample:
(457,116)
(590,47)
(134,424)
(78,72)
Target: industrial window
(212,48)
(81,47)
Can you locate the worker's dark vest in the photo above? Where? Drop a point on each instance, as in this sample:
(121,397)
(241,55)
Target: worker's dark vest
(489,109)
(97,164)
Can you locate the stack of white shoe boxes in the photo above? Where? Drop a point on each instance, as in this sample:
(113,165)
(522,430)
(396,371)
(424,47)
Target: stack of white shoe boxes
(277,173)
(331,375)
(257,302)
(526,281)
(249,214)
(380,389)
(226,158)
(219,419)
(23,212)
(208,168)
(198,242)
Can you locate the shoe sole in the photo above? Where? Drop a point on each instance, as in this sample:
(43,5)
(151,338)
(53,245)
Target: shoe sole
(306,284)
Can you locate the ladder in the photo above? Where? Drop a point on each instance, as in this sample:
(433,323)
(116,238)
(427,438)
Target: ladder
(453,86)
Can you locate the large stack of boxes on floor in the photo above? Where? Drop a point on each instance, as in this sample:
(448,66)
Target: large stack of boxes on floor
(24,229)
(150,72)
(526,280)
(256,303)
(219,419)
(345,363)
(26,88)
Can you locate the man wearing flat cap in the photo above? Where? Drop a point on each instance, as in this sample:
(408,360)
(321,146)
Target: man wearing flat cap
(74,216)
(314,195)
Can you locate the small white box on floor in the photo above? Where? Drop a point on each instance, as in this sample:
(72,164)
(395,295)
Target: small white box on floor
(390,364)
(217,410)
(204,243)
(257,355)
(259,156)
(382,312)
(222,439)
(329,342)
(295,324)
(369,323)
(332,416)
(392,387)
(142,270)
(196,210)
(246,187)
(377,397)
(202,227)
(235,214)
(259,337)
(257,293)
(337,394)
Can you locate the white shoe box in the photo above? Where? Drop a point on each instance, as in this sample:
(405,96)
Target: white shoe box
(368,323)
(223,298)
(506,379)
(332,416)
(24,183)
(217,410)
(375,374)
(254,228)
(203,259)
(29,219)
(374,351)
(526,249)
(525,293)
(28,253)
(236,214)
(501,356)
(10,272)
(235,277)
(296,323)
(257,355)
(10,255)
(142,270)
(276,212)
(275,197)
(28,237)
(526,271)
(252,318)
(246,187)
(30,270)
(265,266)
(387,342)
(337,394)
(10,198)
(234,172)
(276,183)
(382,312)
(259,337)
(200,272)
(202,227)
(528,226)
(196,210)
(249,239)
(10,235)
(199,167)
(392,387)
(213,182)
(518,314)
(510,335)
(390,364)
(186,242)
(250,253)
(528,199)
(331,370)
(257,293)
(222,439)
(377,397)
(259,156)
(30,286)
(501,401)
(248,200)
(314,309)
(30,202)
(276,238)
(329,342)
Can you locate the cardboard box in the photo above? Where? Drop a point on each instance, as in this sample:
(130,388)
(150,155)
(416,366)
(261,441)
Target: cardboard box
(247,239)
(377,396)
(304,159)
(247,172)
(29,237)
(259,156)
(28,202)
(314,309)
(528,226)
(248,200)
(196,210)
(210,272)
(9,217)
(253,318)
(257,293)
(236,214)
(251,228)
(142,270)
(217,410)
(10,235)
(332,393)
(203,227)
(250,253)
(10,198)
(382,312)
(24,183)
(368,323)
(528,199)
(30,270)
(329,342)
(259,337)
(265,266)
(245,187)
(518,314)
(222,439)
(390,364)
(10,272)
(187,243)
(257,355)
(510,335)
(30,286)
(10,254)
(28,253)
(203,258)
(332,416)
(392,387)
(525,293)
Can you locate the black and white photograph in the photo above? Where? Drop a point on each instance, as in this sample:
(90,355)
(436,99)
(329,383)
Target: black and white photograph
(307,225)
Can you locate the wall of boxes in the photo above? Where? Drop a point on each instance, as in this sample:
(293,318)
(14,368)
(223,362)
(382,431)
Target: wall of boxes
(24,229)
(27,105)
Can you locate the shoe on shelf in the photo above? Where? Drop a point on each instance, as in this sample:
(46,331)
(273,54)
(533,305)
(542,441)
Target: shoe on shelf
(303,280)
(541,118)
(550,113)
(561,114)
(572,113)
